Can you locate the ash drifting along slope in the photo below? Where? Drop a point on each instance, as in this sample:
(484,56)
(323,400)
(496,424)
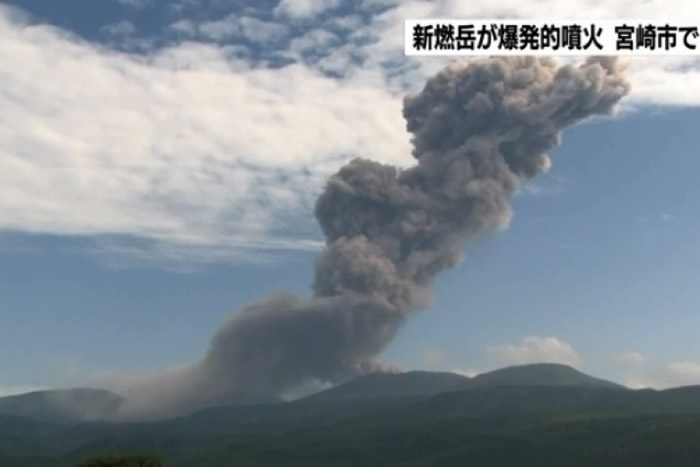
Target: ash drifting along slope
(380,384)
(62,405)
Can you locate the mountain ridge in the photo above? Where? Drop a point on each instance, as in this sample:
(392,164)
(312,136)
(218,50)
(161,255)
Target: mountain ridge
(88,404)
(428,413)
(428,383)
(540,374)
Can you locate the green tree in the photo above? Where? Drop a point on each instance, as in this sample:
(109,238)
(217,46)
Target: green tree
(122,460)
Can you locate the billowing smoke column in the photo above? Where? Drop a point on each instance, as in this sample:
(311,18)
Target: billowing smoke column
(479,129)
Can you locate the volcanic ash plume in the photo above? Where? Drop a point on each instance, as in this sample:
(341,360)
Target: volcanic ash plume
(479,129)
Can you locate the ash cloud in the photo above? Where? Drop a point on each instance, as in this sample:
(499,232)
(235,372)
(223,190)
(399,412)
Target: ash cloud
(480,128)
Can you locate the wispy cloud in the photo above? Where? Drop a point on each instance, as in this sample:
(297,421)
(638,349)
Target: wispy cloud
(232,26)
(299,9)
(136,3)
(185,147)
(435,359)
(197,145)
(121,28)
(673,374)
(630,358)
(535,350)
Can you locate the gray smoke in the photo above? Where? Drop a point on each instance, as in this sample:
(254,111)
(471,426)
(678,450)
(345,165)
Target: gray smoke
(479,129)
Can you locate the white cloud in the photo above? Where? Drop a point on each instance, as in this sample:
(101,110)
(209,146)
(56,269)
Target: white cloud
(136,3)
(262,31)
(468,373)
(186,147)
(313,41)
(231,26)
(636,383)
(535,350)
(684,373)
(184,26)
(220,29)
(345,23)
(435,359)
(631,358)
(299,9)
(673,374)
(122,28)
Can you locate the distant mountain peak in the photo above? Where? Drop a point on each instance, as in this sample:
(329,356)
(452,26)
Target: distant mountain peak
(539,374)
(430,383)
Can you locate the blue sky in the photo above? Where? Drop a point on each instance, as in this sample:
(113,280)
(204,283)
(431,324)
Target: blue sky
(161,159)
